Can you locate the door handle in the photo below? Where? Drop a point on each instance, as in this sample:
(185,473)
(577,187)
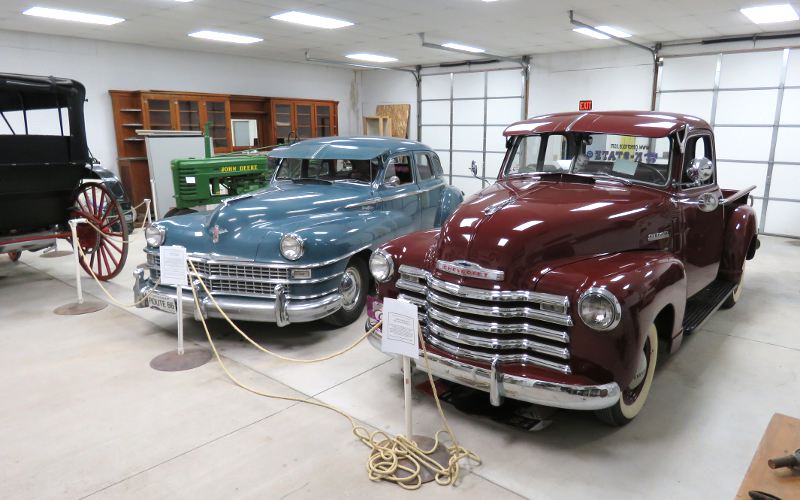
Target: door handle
(706,202)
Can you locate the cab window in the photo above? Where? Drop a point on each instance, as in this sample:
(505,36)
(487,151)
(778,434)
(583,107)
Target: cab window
(424,166)
(400,167)
(697,147)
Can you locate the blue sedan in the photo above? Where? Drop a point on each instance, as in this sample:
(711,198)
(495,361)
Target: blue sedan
(298,251)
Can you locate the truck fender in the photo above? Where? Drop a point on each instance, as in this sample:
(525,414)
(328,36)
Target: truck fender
(738,242)
(646,283)
(451,199)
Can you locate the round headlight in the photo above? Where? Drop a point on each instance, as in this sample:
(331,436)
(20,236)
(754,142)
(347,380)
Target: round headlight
(381,266)
(291,246)
(599,309)
(154,235)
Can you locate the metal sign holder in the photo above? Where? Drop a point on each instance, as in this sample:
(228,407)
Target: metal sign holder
(81,306)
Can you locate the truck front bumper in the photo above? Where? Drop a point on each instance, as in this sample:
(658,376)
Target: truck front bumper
(500,385)
(279,310)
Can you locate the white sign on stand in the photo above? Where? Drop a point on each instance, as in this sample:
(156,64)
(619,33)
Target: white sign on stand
(400,329)
(173,272)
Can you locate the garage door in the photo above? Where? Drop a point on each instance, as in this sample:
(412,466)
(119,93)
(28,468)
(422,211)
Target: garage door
(752,99)
(463,118)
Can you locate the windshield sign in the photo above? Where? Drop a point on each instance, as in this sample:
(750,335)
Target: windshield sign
(629,158)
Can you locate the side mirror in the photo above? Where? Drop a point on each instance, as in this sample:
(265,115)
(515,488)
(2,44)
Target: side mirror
(393,181)
(699,170)
(474,168)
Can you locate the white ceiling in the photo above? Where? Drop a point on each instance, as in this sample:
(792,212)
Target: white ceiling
(390,27)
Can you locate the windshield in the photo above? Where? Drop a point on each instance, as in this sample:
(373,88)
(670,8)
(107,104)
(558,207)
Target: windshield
(364,171)
(627,157)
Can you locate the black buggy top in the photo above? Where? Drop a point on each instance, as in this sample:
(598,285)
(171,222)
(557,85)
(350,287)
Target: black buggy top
(43,151)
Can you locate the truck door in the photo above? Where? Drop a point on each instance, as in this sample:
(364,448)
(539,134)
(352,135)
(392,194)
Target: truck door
(702,217)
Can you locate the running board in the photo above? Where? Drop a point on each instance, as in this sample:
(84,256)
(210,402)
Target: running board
(704,303)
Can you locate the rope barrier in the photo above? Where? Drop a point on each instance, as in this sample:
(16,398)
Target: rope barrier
(103,288)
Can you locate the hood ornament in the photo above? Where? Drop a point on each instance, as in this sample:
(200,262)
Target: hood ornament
(495,207)
(469,270)
(215,232)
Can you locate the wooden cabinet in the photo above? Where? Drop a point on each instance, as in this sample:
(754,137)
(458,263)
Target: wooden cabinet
(303,119)
(277,120)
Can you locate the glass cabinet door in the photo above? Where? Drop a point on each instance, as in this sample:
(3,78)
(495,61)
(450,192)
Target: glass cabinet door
(303,114)
(324,120)
(159,114)
(216,114)
(188,115)
(283,121)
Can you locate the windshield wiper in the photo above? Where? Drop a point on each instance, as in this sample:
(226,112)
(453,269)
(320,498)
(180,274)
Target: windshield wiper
(613,177)
(310,179)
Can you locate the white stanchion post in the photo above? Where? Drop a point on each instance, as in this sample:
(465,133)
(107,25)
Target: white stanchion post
(73,227)
(407,394)
(179,309)
(147,213)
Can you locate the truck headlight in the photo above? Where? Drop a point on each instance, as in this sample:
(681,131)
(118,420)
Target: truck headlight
(599,309)
(381,266)
(291,246)
(154,235)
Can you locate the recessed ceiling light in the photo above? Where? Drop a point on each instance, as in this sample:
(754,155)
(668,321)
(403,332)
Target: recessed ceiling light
(371,58)
(71,15)
(613,31)
(224,37)
(296,17)
(770,13)
(592,33)
(465,48)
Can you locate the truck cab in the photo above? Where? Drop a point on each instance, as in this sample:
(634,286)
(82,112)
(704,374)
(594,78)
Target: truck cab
(604,240)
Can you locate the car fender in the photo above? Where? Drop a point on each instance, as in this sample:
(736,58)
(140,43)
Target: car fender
(451,199)
(645,283)
(739,242)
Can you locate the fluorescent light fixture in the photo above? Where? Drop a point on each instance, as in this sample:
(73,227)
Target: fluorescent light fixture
(770,13)
(592,33)
(296,17)
(71,15)
(371,58)
(613,31)
(224,37)
(183,1)
(465,48)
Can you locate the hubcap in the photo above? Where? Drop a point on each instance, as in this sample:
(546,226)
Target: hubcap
(350,288)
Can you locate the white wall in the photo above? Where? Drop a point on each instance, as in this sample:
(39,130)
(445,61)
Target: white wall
(101,66)
(387,87)
(614,79)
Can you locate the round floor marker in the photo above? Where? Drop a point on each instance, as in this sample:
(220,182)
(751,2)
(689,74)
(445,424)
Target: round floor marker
(173,362)
(55,253)
(439,455)
(74,308)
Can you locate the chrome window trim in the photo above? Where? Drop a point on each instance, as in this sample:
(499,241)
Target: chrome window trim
(500,358)
(496,328)
(499,311)
(495,343)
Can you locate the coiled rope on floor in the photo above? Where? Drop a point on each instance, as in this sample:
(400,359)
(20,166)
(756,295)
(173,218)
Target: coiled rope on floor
(387,451)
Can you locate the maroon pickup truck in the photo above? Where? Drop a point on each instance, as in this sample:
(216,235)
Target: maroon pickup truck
(604,240)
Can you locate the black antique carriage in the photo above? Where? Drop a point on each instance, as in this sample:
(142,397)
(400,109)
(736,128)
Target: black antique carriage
(47,175)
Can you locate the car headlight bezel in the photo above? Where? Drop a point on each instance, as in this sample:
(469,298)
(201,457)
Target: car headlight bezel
(292,246)
(154,235)
(381,266)
(599,297)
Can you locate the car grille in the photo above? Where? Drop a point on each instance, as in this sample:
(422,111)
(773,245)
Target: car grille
(490,326)
(232,279)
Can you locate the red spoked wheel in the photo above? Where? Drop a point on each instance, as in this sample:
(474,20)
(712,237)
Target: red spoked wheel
(104,239)
(14,256)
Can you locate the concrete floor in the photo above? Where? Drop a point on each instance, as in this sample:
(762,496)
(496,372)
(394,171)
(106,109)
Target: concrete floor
(84,415)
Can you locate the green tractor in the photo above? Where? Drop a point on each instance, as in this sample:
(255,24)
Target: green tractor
(210,180)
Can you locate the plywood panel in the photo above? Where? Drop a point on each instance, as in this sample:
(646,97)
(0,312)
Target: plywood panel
(399,114)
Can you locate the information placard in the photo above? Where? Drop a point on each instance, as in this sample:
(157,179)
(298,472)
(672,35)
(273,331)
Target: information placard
(173,265)
(400,328)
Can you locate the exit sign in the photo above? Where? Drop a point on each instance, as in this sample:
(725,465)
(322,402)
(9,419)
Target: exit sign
(585,105)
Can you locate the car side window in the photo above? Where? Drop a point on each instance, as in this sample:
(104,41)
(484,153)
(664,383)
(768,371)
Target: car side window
(697,147)
(424,166)
(437,165)
(400,167)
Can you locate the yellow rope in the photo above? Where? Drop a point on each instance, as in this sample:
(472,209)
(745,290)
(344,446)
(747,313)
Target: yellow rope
(387,451)
(103,288)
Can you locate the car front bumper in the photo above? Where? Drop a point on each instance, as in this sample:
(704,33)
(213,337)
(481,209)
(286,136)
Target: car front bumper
(279,310)
(500,385)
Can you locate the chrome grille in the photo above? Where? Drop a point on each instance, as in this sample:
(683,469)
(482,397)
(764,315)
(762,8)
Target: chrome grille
(490,325)
(233,279)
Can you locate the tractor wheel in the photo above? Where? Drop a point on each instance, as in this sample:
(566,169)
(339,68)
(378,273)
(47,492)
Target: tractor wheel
(104,239)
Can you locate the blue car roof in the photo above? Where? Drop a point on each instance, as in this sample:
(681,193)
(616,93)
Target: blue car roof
(346,148)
